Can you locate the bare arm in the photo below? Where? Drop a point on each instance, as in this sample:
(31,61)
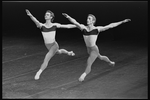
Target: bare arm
(65,26)
(33,19)
(80,26)
(112,25)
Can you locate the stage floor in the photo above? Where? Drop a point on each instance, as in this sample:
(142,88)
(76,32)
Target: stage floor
(21,59)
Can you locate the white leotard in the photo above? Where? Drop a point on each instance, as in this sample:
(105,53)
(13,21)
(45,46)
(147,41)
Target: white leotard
(48,34)
(90,40)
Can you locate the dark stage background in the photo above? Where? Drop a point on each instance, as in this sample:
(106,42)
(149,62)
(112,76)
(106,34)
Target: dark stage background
(16,23)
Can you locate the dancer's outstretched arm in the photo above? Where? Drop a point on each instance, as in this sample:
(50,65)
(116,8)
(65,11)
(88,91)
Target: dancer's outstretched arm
(80,26)
(33,18)
(112,25)
(65,26)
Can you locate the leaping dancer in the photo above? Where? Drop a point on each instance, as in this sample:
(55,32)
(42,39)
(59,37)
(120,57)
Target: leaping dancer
(48,30)
(90,34)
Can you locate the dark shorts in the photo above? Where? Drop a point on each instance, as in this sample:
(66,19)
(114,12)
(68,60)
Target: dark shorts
(50,45)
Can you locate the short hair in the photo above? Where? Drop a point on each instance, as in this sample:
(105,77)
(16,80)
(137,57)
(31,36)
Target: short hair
(52,14)
(94,18)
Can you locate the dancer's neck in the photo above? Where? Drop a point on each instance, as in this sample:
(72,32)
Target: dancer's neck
(48,22)
(90,26)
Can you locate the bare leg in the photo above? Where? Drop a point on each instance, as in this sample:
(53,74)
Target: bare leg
(88,50)
(91,59)
(48,56)
(105,58)
(70,53)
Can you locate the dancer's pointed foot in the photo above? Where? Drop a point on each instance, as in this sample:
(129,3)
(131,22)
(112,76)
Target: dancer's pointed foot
(112,63)
(37,76)
(71,53)
(82,77)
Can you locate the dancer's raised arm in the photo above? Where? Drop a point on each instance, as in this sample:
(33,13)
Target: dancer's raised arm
(33,18)
(80,26)
(112,25)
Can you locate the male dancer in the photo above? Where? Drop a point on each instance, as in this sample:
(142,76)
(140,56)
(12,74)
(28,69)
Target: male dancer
(90,37)
(48,30)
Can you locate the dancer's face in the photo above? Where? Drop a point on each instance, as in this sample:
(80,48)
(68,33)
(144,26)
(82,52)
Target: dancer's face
(90,20)
(48,16)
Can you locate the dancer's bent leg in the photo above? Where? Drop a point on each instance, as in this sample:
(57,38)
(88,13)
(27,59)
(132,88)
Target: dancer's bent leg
(91,59)
(52,50)
(105,58)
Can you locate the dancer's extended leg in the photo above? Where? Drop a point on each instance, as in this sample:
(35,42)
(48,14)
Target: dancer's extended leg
(48,56)
(70,53)
(91,59)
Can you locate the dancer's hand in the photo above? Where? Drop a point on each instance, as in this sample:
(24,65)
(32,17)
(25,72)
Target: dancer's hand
(126,20)
(28,12)
(65,15)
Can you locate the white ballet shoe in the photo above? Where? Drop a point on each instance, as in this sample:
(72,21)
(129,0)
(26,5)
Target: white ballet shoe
(82,77)
(71,53)
(112,63)
(37,77)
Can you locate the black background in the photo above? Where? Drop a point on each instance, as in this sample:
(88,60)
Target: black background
(16,23)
